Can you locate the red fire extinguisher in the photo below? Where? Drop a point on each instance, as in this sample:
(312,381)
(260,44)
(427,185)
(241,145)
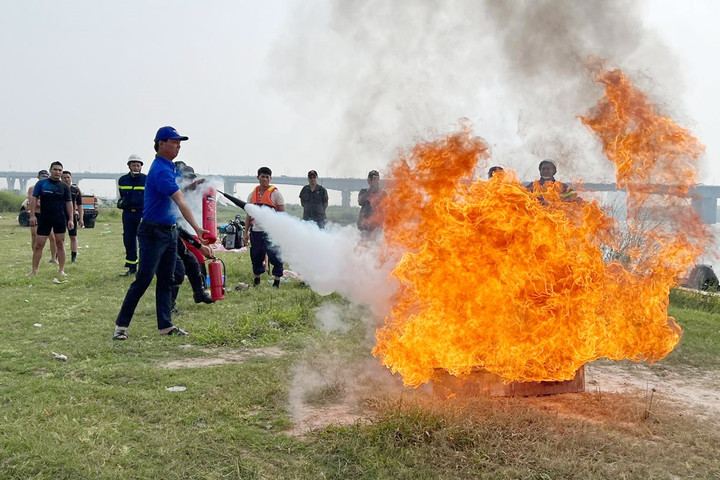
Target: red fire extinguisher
(209,215)
(217,279)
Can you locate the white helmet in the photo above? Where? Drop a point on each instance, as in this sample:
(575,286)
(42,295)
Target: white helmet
(134,158)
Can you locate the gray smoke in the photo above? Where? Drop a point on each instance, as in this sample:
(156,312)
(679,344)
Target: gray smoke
(383,74)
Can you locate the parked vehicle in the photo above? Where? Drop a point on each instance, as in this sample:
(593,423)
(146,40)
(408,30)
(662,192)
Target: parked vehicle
(702,277)
(24,216)
(90,210)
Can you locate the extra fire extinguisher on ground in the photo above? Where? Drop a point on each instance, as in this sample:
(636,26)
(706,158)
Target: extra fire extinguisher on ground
(209,213)
(216,271)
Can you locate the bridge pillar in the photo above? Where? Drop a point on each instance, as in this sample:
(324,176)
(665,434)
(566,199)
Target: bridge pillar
(345,198)
(706,208)
(23,185)
(229,187)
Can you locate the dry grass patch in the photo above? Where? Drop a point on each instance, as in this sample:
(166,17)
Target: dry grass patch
(219,356)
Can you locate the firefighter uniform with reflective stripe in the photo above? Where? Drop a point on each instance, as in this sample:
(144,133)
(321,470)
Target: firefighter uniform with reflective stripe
(132,199)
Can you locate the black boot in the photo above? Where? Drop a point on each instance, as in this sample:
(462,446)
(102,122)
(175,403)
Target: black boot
(203,297)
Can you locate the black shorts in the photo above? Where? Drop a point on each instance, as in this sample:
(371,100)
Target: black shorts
(51,223)
(73,232)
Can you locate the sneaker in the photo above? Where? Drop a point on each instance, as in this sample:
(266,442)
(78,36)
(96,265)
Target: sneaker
(203,297)
(62,273)
(256,281)
(175,332)
(129,273)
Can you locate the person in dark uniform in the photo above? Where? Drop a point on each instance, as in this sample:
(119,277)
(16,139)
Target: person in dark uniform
(57,215)
(158,236)
(548,170)
(76,199)
(132,196)
(314,200)
(187,264)
(369,199)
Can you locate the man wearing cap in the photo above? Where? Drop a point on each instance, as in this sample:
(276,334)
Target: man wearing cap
(132,198)
(260,247)
(369,200)
(157,236)
(547,180)
(314,200)
(57,215)
(42,174)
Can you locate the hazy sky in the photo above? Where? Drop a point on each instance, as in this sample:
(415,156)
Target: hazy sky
(338,86)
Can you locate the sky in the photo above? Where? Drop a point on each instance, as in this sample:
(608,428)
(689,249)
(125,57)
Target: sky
(340,87)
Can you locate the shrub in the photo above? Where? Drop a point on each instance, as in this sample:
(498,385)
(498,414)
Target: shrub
(10,201)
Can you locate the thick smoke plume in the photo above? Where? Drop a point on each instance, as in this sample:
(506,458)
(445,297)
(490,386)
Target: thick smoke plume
(392,72)
(331,260)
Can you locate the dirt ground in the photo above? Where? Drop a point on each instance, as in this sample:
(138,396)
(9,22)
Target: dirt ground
(695,390)
(690,389)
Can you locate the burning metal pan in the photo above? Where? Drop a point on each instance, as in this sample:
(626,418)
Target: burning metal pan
(483,383)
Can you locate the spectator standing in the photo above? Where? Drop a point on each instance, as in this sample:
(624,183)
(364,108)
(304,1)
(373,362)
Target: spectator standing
(548,170)
(158,236)
(131,201)
(56,215)
(314,200)
(260,247)
(369,200)
(494,170)
(42,174)
(76,200)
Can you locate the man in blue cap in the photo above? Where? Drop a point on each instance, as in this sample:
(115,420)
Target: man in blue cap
(157,236)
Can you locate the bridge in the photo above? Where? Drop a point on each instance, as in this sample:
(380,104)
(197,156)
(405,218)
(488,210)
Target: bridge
(704,197)
(344,185)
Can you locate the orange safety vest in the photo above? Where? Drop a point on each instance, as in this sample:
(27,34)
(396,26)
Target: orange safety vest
(264,200)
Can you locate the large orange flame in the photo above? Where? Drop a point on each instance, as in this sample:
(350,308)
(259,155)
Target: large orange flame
(493,278)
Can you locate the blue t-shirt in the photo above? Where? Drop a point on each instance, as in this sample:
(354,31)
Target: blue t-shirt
(53,195)
(160,185)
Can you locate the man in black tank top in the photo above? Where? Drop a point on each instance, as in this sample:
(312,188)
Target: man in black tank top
(76,200)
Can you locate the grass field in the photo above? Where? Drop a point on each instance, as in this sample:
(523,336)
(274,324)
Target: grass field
(273,391)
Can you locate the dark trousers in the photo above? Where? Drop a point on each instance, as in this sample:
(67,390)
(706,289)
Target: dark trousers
(187,264)
(131,221)
(158,254)
(259,247)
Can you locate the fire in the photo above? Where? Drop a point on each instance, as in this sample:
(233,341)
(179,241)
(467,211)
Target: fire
(492,278)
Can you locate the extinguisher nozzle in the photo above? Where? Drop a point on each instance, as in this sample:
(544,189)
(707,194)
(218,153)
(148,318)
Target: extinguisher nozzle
(235,200)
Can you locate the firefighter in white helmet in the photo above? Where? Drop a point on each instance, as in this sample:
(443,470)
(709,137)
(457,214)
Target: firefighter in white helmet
(132,197)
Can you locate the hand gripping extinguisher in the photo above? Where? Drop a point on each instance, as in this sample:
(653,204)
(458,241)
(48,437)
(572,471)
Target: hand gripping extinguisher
(209,215)
(217,279)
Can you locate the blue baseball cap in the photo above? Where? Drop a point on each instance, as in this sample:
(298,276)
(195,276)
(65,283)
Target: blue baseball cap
(168,133)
